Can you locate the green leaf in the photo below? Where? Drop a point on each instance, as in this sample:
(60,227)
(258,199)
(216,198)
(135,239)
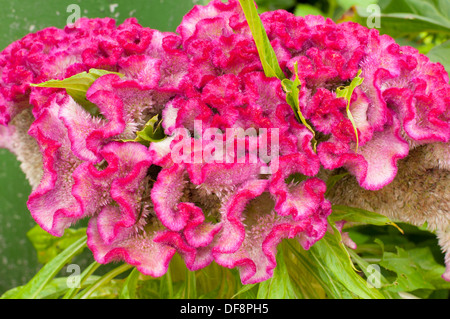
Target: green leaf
(102,281)
(53,290)
(129,287)
(230,280)
(190,285)
(147,289)
(265,50)
(346,92)
(166,285)
(415,268)
(57,287)
(275,4)
(329,253)
(77,85)
(440,53)
(85,276)
(329,282)
(358,215)
(364,266)
(48,246)
(11,293)
(306,265)
(302,10)
(407,262)
(32,289)
(347,4)
(244,289)
(111,290)
(152,132)
(292,98)
(280,285)
(406,17)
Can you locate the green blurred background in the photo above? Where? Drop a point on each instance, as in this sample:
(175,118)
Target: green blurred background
(419,23)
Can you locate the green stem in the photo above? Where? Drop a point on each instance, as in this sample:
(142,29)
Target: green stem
(310,267)
(169,283)
(331,8)
(32,289)
(103,280)
(166,286)
(191,287)
(84,276)
(265,50)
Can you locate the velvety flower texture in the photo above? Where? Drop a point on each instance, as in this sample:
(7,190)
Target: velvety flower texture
(144,203)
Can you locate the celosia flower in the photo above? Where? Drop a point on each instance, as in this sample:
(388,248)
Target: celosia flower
(207,83)
(252,228)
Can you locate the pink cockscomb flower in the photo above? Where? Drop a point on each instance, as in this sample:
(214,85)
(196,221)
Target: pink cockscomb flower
(233,172)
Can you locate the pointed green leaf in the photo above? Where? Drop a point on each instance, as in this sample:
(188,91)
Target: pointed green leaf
(48,246)
(403,18)
(292,98)
(147,289)
(77,85)
(166,285)
(280,285)
(152,132)
(316,269)
(53,290)
(346,92)
(102,281)
(365,266)
(32,289)
(11,293)
(129,287)
(358,215)
(440,53)
(303,9)
(415,269)
(190,285)
(329,252)
(56,288)
(265,50)
(243,289)
(86,276)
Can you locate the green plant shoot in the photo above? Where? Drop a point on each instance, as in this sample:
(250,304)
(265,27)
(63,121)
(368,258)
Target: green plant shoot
(292,98)
(265,50)
(77,85)
(346,92)
(151,132)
